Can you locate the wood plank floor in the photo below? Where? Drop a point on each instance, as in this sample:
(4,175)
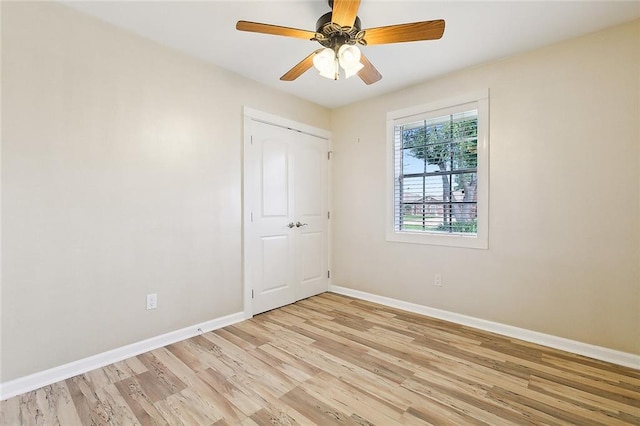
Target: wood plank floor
(332,359)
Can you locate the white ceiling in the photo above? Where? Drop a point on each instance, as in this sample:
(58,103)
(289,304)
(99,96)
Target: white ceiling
(476,32)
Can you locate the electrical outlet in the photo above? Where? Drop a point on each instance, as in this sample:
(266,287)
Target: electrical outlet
(152,301)
(437,280)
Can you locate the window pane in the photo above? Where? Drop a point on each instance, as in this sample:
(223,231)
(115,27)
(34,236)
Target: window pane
(413,135)
(433,189)
(465,154)
(421,217)
(412,189)
(441,195)
(412,160)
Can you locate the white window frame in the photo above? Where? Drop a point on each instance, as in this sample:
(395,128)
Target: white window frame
(477,100)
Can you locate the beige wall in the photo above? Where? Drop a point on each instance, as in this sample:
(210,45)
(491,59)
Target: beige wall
(564,236)
(121,176)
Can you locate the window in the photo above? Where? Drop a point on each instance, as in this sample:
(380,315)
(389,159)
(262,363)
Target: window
(438,172)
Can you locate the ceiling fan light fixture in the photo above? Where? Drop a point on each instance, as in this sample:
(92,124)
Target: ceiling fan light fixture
(325,62)
(349,57)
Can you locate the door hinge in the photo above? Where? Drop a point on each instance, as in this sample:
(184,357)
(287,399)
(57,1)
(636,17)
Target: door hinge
(251,139)
(328,274)
(329,155)
(251,215)
(328,215)
(252,293)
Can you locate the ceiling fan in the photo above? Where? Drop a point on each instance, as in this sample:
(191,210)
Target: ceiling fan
(339,32)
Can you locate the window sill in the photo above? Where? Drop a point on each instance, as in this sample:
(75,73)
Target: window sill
(455,240)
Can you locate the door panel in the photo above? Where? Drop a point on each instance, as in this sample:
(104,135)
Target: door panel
(286,241)
(275,269)
(274,273)
(311,248)
(275,177)
(270,242)
(311,211)
(310,176)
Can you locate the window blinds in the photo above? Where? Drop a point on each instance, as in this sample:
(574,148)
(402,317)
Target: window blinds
(435,185)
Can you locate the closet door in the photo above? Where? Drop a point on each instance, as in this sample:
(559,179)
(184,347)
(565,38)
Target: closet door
(286,247)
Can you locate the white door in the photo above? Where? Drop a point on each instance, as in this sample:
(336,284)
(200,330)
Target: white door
(286,237)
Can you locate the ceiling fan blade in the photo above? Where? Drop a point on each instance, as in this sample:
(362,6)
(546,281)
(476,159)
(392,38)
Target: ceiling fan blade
(344,12)
(369,74)
(416,31)
(300,68)
(256,27)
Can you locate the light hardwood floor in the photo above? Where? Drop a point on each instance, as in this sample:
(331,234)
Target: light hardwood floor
(332,359)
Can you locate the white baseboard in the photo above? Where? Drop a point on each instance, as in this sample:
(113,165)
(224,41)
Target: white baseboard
(43,378)
(573,346)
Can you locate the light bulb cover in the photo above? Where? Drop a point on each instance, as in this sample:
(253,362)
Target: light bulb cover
(324,61)
(349,57)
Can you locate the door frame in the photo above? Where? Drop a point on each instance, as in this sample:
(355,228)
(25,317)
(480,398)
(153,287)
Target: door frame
(250,114)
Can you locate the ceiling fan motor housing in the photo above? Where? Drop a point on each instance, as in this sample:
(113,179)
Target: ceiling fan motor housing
(330,34)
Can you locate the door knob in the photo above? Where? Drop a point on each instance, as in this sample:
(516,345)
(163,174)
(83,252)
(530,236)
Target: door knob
(291,225)
(299,225)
